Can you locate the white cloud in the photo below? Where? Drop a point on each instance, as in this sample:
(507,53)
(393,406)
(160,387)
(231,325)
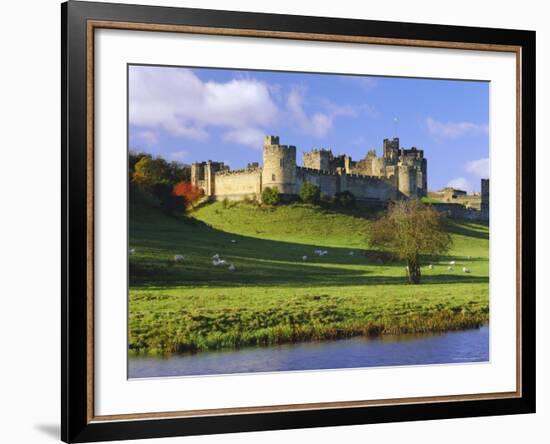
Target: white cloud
(479,167)
(316,125)
(148,137)
(179,102)
(244,109)
(460,183)
(454,130)
(319,123)
(252,137)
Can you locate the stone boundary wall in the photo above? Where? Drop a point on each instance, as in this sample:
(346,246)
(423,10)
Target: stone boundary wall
(238,184)
(458,211)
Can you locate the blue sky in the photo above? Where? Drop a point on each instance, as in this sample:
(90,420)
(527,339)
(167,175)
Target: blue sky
(198,114)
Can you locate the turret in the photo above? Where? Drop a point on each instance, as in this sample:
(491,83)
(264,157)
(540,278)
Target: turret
(279,169)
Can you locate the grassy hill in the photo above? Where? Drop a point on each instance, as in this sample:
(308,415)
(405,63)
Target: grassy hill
(275,296)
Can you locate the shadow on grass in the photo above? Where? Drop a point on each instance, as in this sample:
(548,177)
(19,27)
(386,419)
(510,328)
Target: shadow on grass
(258,261)
(479,230)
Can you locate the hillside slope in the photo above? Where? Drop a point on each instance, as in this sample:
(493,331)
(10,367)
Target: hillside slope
(276,296)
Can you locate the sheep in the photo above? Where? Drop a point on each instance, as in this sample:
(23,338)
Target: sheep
(132,251)
(179,258)
(351,253)
(233,241)
(304,258)
(465,270)
(217,262)
(452,263)
(430,267)
(469,258)
(231,267)
(216,257)
(450,268)
(321,252)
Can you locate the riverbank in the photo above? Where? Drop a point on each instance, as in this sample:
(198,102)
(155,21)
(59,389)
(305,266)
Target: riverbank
(180,319)
(467,346)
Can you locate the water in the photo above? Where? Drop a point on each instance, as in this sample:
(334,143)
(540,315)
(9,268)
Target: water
(445,348)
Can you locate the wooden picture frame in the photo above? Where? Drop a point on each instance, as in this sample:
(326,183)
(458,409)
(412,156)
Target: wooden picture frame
(79,22)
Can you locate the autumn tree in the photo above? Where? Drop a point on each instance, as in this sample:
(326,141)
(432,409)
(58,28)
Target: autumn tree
(188,191)
(149,171)
(410,229)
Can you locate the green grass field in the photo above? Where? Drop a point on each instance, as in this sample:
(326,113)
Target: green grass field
(274,296)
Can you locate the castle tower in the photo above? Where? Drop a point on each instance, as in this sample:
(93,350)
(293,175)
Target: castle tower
(406,180)
(279,169)
(391,150)
(318,159)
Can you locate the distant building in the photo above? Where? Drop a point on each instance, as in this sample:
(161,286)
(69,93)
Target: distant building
(450,193)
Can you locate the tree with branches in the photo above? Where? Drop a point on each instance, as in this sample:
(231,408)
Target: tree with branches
(411,229)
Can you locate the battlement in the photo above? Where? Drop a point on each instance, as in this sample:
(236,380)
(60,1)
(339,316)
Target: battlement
(238,172)
(271,140)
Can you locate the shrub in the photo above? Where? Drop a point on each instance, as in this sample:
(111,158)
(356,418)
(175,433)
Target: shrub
(345,199)
(310,193)
(271,196)
(191,193)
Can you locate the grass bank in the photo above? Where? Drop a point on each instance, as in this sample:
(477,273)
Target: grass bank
(273,296)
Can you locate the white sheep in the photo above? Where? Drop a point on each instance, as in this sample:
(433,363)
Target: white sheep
(217,262)
(351,253)
(430,267)
(216,257)
(231,267)
(450,268)
(304,258)
(233,241)
(132,251)
(452,263)
(465,269)
(179,258)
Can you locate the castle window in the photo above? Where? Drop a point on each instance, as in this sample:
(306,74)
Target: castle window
(273,177)
(282,162)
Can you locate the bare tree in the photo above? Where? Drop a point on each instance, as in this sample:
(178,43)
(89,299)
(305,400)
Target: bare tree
(410,229)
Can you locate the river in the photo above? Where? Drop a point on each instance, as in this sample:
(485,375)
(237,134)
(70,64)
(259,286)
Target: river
(452,347)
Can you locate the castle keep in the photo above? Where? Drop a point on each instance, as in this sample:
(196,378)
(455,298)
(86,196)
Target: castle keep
(399,173)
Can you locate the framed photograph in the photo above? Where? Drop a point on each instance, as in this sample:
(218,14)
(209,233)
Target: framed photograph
(275,221)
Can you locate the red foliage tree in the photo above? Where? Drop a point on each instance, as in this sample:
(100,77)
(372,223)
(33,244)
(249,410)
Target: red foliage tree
(188,191)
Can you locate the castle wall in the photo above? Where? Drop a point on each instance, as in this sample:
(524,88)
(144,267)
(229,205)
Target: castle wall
(363,187)
(458,211)
(238,184)
(329,183)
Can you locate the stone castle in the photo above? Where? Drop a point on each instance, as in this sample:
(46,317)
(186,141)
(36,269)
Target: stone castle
(399,173)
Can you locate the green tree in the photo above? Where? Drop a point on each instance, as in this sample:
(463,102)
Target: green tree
(410,229)
(310,193)
(271,196)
